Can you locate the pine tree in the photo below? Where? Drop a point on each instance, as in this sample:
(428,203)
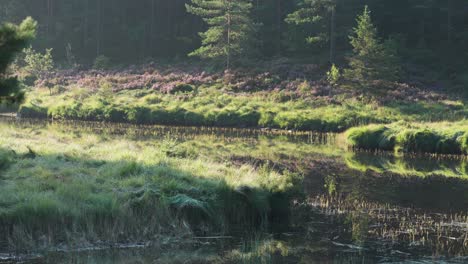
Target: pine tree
(13,39)
(372,60)
(230,28)
(316,12)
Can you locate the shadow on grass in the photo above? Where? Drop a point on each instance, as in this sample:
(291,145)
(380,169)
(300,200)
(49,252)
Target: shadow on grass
(432,112)
(71,201)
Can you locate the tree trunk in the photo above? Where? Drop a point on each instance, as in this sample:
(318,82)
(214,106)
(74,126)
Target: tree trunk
(49,18)
(86,24)
(152,25)
(449,22)
(333,35)
(278,26)
(98,28)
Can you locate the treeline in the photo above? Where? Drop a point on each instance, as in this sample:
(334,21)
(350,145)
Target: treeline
(428,31)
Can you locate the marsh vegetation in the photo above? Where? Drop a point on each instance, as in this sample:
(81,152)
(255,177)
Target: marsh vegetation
(239,131)
(83,188)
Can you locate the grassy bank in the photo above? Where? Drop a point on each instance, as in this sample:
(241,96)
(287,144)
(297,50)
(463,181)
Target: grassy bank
(250,99)
(61,188)
(439,138)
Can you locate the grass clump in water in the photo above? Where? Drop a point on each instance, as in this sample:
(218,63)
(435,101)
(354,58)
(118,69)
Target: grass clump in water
(437,138)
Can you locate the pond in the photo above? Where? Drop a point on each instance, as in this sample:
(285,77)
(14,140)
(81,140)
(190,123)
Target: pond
(353,207)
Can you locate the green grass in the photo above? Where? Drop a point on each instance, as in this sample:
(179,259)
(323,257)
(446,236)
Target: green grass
(437,138)
(210,106)
(76,188)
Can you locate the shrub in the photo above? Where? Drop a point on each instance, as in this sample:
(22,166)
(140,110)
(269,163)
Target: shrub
(333,75)
(105,90)
(38,64)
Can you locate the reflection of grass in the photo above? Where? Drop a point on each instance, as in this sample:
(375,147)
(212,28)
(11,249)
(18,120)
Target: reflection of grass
(74,187)
(439,232)
(407,166)
(258,250)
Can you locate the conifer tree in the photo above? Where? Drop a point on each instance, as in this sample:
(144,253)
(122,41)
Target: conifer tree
(372,60)
(13,39)
(230,28)
(316,12)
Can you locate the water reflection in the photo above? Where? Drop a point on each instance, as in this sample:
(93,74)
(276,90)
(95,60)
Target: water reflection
(355,207)
(454,166)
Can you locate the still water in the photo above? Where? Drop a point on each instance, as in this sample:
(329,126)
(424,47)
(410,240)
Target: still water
(353,208)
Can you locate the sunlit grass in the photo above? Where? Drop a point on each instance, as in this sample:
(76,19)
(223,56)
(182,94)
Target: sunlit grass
(75,187)
(438,137)
(213,107)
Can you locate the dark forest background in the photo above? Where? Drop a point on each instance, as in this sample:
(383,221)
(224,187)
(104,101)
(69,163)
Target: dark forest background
(432,34)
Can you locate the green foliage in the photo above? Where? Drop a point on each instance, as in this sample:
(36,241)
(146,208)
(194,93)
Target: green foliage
(230,28)
(102,63)
(333,76)
(105,91)
(37,64)
(372,61)
(13,39)
(312,12)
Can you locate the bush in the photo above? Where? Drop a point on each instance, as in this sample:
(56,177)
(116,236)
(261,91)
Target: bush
(38,64)
(105,90)
(333,75)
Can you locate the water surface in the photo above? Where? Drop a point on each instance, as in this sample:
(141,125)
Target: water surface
(354,208)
